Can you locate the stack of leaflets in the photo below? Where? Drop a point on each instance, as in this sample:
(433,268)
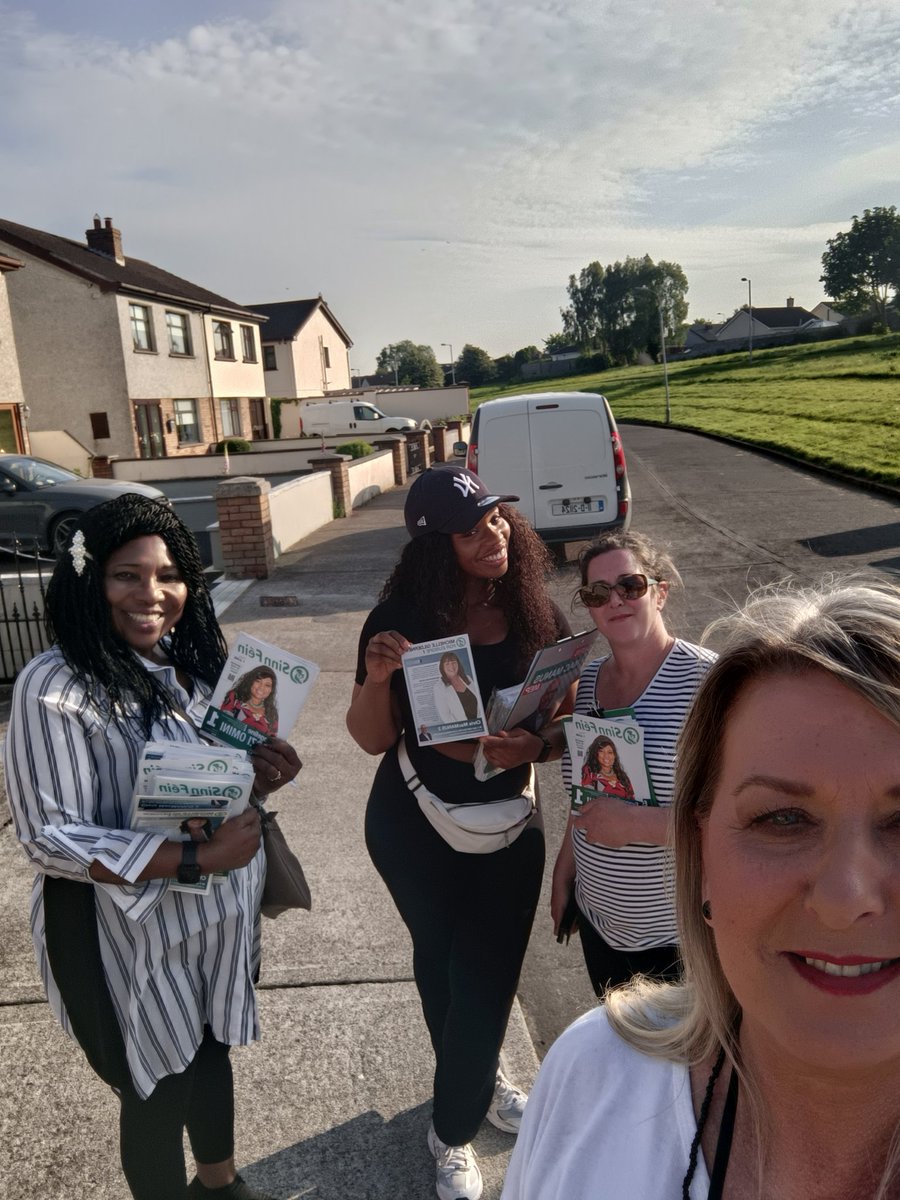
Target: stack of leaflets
(259,694)
(608,759)
(185,791)
(533,702)
(443,691)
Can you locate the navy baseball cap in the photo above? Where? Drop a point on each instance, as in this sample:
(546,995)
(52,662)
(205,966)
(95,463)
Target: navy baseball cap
(448,499)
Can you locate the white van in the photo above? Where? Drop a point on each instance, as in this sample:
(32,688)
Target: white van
(326,418)
(562,454)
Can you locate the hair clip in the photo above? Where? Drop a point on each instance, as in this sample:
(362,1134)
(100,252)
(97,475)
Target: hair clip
(79,554)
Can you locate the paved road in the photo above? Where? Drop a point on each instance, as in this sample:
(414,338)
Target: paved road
(732,518)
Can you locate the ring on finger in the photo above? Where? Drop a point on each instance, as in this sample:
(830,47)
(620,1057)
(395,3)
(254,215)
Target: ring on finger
(274,777)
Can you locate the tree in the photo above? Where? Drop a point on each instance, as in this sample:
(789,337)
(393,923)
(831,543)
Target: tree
(411,364)
(554,342)
(526,354)
(506,368)
(616,309)
(862,266)
(475,366)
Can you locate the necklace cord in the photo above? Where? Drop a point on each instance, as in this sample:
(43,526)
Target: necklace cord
(702,1118)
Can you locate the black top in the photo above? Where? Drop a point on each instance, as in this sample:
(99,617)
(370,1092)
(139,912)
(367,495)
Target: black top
(496,665)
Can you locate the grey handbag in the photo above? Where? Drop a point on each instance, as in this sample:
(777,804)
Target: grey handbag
(285,885)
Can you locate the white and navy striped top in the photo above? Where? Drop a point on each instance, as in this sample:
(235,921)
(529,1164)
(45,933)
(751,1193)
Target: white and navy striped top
(174,961)
(626,892)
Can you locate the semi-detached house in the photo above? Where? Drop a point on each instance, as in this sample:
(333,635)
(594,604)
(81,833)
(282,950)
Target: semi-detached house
(126,358)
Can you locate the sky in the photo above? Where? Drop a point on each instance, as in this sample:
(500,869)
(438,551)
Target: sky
(438,170)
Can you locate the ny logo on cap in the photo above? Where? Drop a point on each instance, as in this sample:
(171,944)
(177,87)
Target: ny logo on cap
(465,484)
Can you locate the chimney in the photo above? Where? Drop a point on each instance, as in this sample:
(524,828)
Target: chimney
(103,239)
(790,302)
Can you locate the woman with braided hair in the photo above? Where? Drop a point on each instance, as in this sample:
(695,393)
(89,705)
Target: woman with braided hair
(154,984)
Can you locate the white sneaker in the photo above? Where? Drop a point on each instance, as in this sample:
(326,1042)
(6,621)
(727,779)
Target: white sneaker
(458,1176)
(507,1106)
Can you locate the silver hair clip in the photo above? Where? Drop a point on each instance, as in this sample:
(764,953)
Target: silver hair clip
(79,554)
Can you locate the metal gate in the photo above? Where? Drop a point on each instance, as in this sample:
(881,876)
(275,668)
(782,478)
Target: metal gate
(23,584)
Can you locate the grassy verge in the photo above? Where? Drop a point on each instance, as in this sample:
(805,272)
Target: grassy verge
(835,404)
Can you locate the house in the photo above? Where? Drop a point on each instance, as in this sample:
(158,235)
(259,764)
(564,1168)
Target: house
(13,429)
(827,312)
(769,327)
(305,349)
(125,357)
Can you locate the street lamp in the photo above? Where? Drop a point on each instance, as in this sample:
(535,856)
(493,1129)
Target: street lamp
(662,343)
(452,362)
(749,283)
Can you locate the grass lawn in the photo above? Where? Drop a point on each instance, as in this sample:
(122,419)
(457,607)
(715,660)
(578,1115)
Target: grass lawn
(834,403)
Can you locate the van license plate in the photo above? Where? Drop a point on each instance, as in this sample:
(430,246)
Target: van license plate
(586,504)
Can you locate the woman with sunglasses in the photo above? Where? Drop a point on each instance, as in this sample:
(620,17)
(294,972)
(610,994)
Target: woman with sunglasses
(613,857)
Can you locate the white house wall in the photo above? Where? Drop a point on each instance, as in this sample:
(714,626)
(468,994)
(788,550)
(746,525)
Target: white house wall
(311,377)
(234,377)
(157,374)
(10,379)
(281,381)
(70,353)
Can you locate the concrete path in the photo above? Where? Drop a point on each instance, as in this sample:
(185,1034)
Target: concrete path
(334,1102)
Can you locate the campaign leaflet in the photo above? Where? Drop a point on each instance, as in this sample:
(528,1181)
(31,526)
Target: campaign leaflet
(185,806)
(534,701)
(443,691)
(259,694)
(608,759)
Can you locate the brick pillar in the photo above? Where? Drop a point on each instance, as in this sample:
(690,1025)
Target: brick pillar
(101,467)
(340,479)
(423,436)
(245,527)
(443,443)
(395,443)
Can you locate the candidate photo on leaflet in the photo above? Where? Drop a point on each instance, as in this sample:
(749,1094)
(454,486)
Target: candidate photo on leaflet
(252,700)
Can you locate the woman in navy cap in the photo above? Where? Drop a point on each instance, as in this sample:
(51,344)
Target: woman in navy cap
(473,565)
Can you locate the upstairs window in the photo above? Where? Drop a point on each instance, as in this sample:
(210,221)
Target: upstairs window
(269,363)
(248,343)
(141,327)
(223,339)
(326,358)
(179,333)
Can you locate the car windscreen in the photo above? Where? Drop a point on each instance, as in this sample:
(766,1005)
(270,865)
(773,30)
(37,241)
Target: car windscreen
(34,473)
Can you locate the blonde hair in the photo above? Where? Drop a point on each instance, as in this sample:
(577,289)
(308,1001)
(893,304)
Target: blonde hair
(849,629)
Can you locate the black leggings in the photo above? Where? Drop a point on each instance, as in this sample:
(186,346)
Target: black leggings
(199,1099)
(608,967)
(470,917)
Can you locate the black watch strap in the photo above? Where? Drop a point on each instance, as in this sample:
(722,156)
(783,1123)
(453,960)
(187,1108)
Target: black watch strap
(188,868)
(546,749)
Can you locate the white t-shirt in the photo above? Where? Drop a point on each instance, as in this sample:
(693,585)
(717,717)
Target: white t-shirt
(626,891)
(605,1122)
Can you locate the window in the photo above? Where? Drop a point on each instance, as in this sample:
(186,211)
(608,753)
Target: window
(269,363)
(326,358)
(363,412)
(99,425)
(141,327)
(231,418)
(223,340)
(248,343)
(179,333)
(187,423)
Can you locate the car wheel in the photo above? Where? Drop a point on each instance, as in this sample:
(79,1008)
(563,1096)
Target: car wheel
(61,533)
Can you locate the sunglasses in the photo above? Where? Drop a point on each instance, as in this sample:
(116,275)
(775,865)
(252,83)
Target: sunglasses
(629,587)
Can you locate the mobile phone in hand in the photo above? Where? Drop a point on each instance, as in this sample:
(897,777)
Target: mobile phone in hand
(569,922)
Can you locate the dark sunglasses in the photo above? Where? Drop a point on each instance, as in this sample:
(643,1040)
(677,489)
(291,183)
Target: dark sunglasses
(629,587)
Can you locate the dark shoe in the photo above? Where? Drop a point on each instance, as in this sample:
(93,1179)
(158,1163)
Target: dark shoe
(238,1189)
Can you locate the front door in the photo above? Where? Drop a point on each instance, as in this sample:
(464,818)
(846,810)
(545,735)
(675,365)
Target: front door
(148,420)
(258,429)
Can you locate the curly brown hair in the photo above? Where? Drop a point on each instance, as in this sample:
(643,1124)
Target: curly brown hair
(428,576)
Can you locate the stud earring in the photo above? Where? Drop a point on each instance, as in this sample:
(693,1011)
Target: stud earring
(706,909)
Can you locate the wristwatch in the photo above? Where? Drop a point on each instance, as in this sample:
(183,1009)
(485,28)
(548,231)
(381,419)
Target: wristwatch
(188,868)
(546,749)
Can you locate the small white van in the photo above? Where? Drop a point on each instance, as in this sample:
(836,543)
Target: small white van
(326,418)
(562,454)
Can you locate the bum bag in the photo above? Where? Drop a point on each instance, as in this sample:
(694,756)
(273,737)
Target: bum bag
(471,828)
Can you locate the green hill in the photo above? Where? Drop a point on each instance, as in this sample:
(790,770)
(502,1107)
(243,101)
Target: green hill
(835,403)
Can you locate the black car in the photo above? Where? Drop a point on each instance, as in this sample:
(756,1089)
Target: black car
(41,502)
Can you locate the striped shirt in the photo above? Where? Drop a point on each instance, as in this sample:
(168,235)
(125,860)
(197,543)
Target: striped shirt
(174,961)
(626,892)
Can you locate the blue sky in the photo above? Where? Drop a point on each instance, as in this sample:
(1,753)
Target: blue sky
(437,171)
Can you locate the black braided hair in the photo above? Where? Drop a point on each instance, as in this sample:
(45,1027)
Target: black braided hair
(77,616)
(428,577)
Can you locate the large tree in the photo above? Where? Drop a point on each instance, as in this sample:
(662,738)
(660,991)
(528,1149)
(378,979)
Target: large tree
(475,366)
(617,309)
(411,364)
(862,266)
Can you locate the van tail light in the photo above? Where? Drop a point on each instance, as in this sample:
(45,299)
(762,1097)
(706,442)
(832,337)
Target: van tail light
(472,458)
(623,509)
(618,455)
